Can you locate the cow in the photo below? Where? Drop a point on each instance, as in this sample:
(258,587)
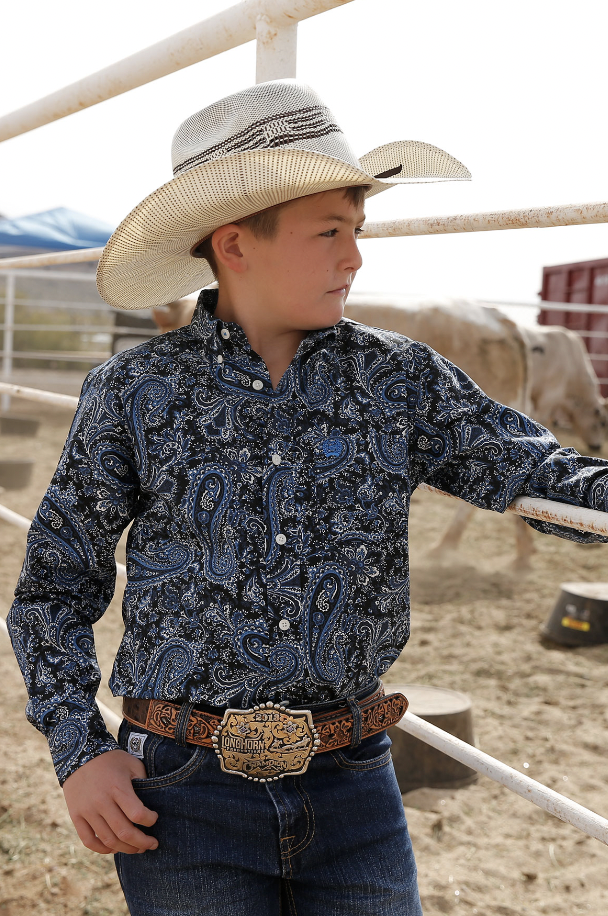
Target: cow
(565,390)
(174,315)
(511,363)
(482,342)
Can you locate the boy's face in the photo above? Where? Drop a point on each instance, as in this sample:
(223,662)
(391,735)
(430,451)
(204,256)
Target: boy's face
(304,273)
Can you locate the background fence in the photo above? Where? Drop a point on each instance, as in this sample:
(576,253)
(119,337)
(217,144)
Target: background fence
(274,24)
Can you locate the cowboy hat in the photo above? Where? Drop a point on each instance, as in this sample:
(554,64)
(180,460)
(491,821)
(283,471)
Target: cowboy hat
(266,145)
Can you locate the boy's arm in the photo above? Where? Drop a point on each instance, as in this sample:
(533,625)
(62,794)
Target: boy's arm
(68,578)
(473,447)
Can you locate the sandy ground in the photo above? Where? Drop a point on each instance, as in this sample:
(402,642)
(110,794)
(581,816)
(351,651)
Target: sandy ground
(475,628)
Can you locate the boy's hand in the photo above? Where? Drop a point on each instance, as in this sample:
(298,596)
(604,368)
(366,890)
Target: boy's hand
(103,806)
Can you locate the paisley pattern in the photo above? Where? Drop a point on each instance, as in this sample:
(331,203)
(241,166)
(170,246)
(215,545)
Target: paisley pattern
(268,552)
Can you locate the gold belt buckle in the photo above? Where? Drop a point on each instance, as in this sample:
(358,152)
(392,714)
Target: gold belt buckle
(266,742)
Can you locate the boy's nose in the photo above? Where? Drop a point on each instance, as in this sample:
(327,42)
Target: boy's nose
(353,259)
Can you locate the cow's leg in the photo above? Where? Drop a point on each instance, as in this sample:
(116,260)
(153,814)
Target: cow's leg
(524,546)
(453,534)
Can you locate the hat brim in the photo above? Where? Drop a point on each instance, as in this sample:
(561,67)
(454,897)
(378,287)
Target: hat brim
(148,262)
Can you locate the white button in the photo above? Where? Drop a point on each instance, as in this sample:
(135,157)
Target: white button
(225,333)
(281,539)
(258,384)
(284,624)
(220,358)
(276,459)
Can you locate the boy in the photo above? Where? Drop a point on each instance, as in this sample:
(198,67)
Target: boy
(265,455)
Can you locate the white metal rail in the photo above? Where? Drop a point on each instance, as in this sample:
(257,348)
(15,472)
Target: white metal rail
(544,510)
(558,805)
(272,22)
(531,218)
(564,808)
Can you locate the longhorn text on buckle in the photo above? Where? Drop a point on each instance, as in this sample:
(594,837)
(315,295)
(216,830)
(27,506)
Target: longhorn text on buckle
(266,742)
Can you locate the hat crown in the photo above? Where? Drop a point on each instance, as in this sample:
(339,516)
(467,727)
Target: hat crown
(282,114)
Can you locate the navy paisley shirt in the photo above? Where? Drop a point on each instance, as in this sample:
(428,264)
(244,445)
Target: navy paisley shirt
(268,552)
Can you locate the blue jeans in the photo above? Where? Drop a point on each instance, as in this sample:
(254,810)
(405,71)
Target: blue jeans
(331,842)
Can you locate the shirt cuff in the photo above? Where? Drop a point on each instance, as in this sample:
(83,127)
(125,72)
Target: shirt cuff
(78,738)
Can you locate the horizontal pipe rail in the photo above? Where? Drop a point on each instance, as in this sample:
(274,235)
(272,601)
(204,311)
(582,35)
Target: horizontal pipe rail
(36,394)
(62,356)
(558,805)
(108,331)
(530,218)
(74,256)
(49,276)
(573,307)
(547,305)
(69,306)
(545,798)
(20,521)
(545,510)
(228,29)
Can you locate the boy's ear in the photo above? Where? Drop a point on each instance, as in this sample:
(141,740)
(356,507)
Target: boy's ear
(226,243)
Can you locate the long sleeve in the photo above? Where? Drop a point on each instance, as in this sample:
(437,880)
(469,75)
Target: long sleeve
(68,577)
(488,454)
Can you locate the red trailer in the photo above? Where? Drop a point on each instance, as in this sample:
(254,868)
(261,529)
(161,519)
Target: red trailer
(585,283)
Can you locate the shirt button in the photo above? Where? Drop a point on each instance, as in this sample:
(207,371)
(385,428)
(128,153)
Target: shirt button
(284,624)
(258,385)
(276,459)
(220,358)
(225,333)
(281,539)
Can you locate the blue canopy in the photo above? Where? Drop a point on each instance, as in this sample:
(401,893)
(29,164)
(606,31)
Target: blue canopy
(54,230)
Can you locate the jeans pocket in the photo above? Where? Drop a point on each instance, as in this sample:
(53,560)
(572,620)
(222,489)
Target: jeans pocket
(166,762)
(371,753)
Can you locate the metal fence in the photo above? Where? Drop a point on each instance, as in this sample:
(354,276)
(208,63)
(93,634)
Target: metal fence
(273,23)
(43,310)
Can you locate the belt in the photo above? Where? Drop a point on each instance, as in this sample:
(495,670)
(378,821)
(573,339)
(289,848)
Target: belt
(269,740)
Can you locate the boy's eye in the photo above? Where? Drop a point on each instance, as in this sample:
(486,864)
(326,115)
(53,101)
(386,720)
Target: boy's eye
(331,232)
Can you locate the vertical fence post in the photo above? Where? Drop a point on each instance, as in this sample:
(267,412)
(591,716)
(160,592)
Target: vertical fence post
(276,49)
(7,348)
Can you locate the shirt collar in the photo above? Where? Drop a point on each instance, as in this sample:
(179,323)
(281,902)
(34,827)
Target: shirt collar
(206,327)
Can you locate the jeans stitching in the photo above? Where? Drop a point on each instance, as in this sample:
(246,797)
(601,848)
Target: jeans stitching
(161,782)
(307,803)
(291,901)
(361,765)
(285,856)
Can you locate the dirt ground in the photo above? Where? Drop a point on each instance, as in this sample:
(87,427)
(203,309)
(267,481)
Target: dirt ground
(475,628)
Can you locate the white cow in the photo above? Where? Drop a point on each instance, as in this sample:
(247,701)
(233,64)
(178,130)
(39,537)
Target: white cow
(174,315)
(483,342)
(544,372)
(565,390)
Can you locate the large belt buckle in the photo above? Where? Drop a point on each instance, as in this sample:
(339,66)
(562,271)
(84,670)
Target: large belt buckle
(267,742)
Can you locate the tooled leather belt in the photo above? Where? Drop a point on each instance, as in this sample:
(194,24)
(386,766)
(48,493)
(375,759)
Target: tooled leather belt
(333,728)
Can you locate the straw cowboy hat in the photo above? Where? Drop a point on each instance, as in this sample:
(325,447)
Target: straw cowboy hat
(263,146)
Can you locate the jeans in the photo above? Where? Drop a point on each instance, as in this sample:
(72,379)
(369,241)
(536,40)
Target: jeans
(331,842)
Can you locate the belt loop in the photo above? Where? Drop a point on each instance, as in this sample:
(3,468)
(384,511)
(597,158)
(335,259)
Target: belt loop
(181,726)
(355,709)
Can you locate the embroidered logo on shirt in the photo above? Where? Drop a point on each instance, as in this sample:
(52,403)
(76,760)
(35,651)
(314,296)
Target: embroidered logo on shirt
(135,744)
